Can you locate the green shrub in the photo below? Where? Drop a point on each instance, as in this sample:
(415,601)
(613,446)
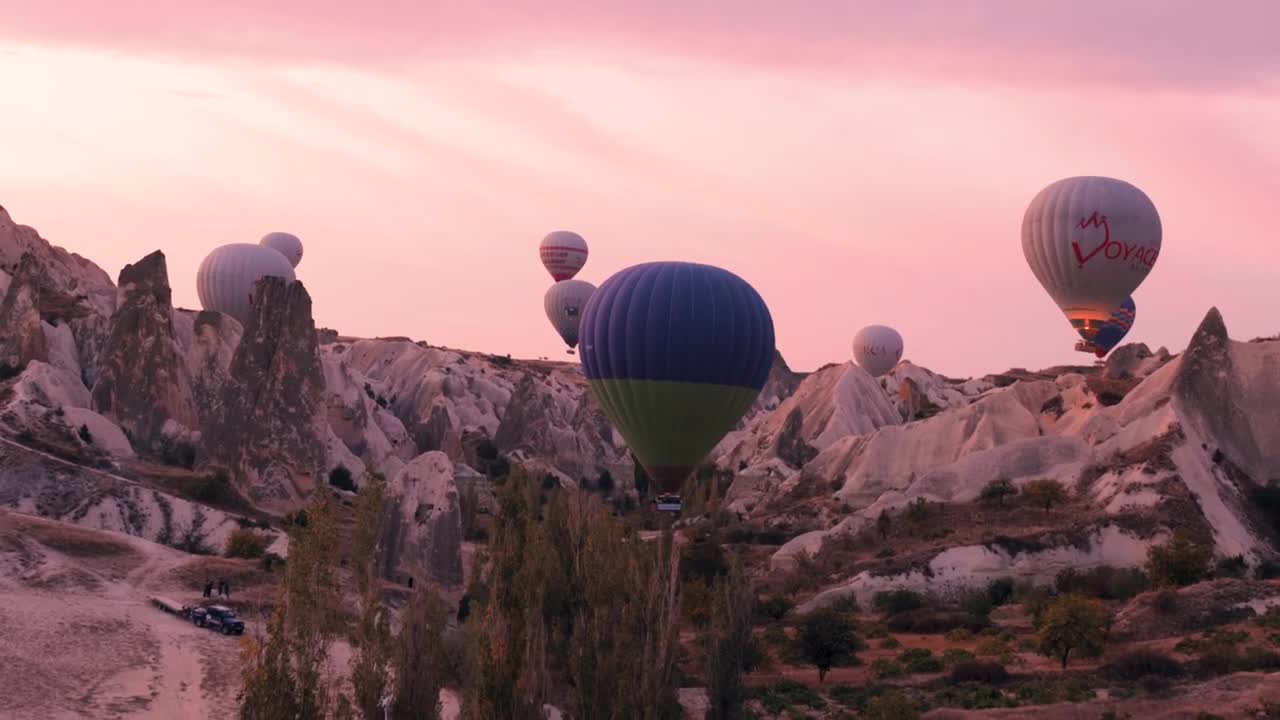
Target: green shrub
(787,694)
(933,622)
(890,643)
(972,696)
(1180,561)
(952,657)
(883,669)
(979,671)
(959,635)
(1137,664)
(1000,591)
(776,607)
(898,601)
(920,660)
(245,543)
(892,705)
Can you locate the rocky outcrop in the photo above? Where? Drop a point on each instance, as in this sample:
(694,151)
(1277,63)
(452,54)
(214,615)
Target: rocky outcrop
(575,437)
(76,296)
(143,383)
(209,340)
(267,429)
(1133,361)
(21,331)
(424,535)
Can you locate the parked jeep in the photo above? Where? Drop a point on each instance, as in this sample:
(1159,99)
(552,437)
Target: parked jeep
(218,617)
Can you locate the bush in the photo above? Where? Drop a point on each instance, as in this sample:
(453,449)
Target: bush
(1181,561)
(952,657)
(1045,493)
(1105,582)
(890,643)
(1232,567)
(1267,570)
(1000,591)
(958,635)
(703,559)
(776,607)
(920,660)
(978,603)
(898,601)
(972,696)
(892,705)
(787,694)
(991,673)
(997,490)
(883,669)
(85,435)
(271,561)
(340,477)
(1137,664)
(244,543)
(933,622)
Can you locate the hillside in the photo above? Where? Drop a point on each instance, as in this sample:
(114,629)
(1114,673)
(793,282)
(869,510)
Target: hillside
(121,416)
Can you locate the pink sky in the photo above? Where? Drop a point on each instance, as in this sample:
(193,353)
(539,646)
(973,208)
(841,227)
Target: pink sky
(858,162)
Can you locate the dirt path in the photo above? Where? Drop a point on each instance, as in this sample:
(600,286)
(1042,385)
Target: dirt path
(83,641)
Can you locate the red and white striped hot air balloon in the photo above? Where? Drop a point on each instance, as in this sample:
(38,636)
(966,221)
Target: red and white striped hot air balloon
(563,254)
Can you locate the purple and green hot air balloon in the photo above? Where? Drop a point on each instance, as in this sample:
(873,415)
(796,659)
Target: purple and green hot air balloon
(675,353)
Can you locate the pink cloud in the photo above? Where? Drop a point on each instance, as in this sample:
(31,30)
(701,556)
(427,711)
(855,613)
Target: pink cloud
(1165,43)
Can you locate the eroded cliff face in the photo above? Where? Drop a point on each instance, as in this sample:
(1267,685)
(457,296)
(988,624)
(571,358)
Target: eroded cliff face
(143,383)
(267,426)
(425,532)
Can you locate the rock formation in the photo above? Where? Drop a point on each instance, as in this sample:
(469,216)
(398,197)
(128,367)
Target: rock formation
(267,429)
(143,383)
(424,537)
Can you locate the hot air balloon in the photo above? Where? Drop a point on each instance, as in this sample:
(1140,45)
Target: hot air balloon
(287,244)
(226,278)
(563,254)
(675,353)
(1091,241)
(877,348)
(1112,331)
(564,303)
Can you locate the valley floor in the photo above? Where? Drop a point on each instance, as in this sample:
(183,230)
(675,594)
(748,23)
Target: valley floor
(80,639)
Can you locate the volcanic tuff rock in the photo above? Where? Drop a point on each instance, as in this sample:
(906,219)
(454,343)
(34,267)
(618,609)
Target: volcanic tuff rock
(208,340)
(424,537)
(21,330)
(267,430)
(143,382)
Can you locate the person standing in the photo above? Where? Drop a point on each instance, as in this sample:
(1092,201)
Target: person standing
(208,588)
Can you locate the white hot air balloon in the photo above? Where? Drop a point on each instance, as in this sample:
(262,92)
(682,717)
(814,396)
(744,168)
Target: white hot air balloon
(877,349)
(1091,241)
(226,278)
(287,244)
(564,303)
(563,254)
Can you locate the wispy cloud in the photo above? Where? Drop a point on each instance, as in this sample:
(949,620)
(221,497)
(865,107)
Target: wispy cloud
(1154,43)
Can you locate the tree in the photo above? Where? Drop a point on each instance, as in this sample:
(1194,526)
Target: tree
(1071,623)
(245,543)
(370,662)
(419,658)
(283,673)
(729,644)
(1046,492)
(997,490)
(826,640)
(882,524)
(1181,561)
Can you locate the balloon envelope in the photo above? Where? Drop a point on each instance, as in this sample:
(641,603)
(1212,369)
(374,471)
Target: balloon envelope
(563,254)
(226,278)
(675,353)
(564,303)
(1090,241)
(877,349)
(287,244)
(1114,329)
